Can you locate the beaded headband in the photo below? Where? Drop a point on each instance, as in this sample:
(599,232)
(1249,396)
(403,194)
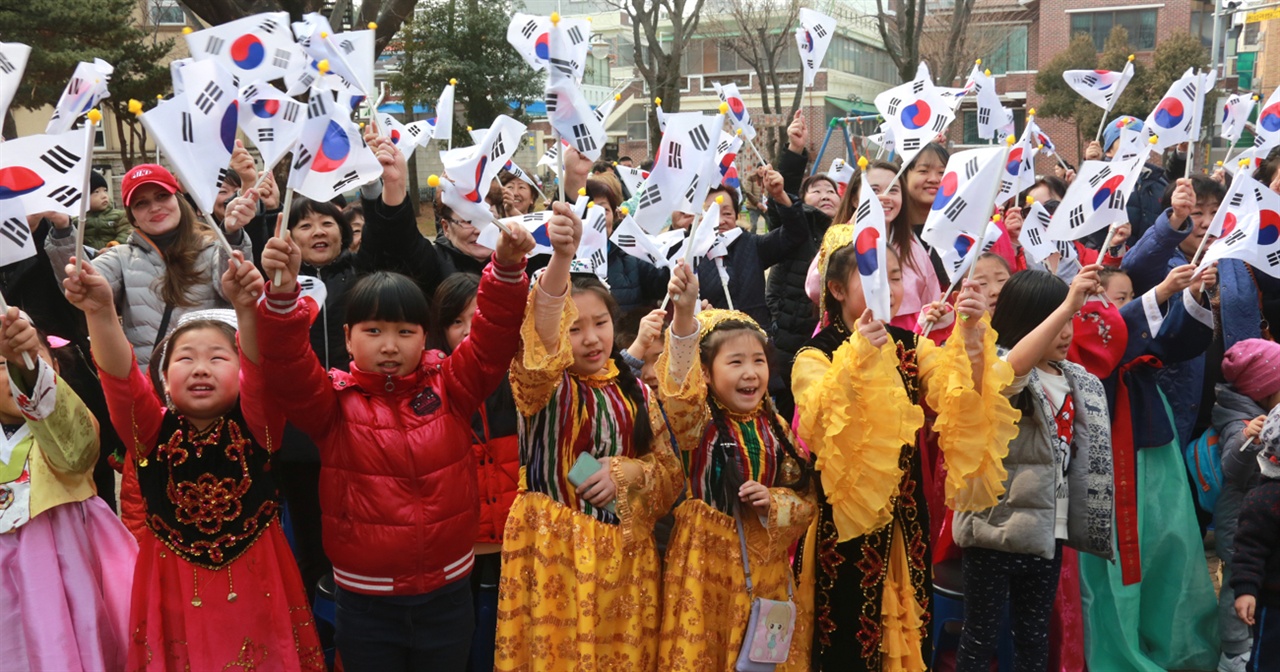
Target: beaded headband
(710,320)
(214,314)
(837,237)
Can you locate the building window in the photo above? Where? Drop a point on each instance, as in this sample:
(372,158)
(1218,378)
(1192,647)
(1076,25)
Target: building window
(729,60)
(1010,54)
(638,122)
(970,119)
(1140,23)
(1251,32)
(596,71)
(167,13)
(691,58)
(851,56)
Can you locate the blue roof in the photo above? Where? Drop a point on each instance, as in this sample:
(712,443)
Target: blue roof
(536,108)
(398,108)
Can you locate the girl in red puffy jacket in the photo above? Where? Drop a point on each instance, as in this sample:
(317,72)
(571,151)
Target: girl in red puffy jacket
(397,476)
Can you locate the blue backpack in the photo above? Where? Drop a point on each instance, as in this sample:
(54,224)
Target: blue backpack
(1204,461)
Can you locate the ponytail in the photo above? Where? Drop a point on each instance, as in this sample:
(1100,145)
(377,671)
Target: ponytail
(641,431)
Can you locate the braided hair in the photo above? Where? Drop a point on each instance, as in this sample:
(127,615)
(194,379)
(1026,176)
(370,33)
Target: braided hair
(725,465)
(641,432)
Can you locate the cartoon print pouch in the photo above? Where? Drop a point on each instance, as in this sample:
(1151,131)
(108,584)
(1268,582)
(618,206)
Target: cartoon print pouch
(767,641)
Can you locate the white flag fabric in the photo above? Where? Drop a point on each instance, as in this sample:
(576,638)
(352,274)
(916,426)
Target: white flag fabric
(720,248)
(175,73)
(630,238)
(869,240)
(1100,87)
(13,62)
(1235,115)
(1095,201)
(399,134)
(571,116)
(1173,119)
(350,54)
(841,172)
(603,110)
(995,121)
(593,249)
(442,124)
(16,241)
(196,130)
(960,251)
(523,176)
(679,179)
(535,223)
(88,85)
(662,117)
(703,238)
(1267,130)
(471,170)
(632,178)
(670,240)
(1019,171)
(550,158)
(1034,238)
(255,47)
(813,37)
(535,39)
(44,172)
(963,202)
(1043,143)
(726,155)
(271,120)
(1255,239)
(330,157)
(739,117)
(915,112)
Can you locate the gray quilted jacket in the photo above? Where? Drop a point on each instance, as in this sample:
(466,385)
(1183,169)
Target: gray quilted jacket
(1023,520)
(135,270)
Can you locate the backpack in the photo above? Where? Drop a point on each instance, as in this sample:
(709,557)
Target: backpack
(1204,461)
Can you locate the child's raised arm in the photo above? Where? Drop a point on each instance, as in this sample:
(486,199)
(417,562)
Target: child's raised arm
(1030,350)
(87,290)
(564,229)
(242,284)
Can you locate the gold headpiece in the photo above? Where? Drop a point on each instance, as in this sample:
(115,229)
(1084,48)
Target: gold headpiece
(708,320)
(838,236)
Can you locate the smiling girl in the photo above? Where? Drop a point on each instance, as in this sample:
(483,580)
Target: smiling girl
(215,584)
(579,568)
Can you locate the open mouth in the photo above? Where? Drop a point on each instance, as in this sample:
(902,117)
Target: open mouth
(389,366)
(201,390)
(322,246)
(748,391)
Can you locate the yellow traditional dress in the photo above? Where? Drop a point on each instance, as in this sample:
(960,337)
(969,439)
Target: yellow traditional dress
(705,602)
(867,566)
(579,586)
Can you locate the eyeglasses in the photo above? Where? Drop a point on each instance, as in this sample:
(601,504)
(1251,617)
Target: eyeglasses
(455,222)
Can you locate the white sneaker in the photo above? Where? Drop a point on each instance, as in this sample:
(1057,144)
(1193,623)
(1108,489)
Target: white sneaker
(1236,663)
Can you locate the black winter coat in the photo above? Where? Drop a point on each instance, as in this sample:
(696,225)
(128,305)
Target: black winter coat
(635,283)
(749,257)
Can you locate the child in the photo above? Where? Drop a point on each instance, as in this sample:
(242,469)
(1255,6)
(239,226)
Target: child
(991,271)
(1116,285)
(68,561)
(1255,567)
(748,487)
(215,585)
(579,568)
(1251,390)
(1013,550)
(859,395)
(105,224)
(395,451)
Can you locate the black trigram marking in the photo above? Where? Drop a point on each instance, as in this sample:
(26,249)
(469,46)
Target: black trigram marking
(1065,248)
(917,86)
(1033,237)
(1236,200)
(291,108)
(597,259)
(266,134)
(864,211)
(316,107)
(722,148)
(499,148)
(819,30)
(692,190)
(565,67)
(984,116)
(415,131)
(214,45)
(188,131)
(1043,217)
(674,159)
(1235,237)
(347,46)
(970,168)
(700,138)
(575,35)
(1089,80)
(67,196)
(808,63)
(268,25)
(6,66)
(953,211)
(1006,186)
(1102,175)
(626,240)
(534,218)
(1116,202)
(250,92)
(60,159)
(1273,259)
(282,58)
(910,144)
(650,197)
(306,80)
(346,180)
(1076,220)
(894,104)
(223,173)
(553,101)
(16,230)
(939,124)
(1189,90)
(582,138)
(302,158)
(529,28)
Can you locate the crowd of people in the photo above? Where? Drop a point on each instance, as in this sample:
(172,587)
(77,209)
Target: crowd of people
(488,461)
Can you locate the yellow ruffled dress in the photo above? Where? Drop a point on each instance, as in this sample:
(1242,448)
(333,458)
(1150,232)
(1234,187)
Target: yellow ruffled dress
(705,602)
(867,565)
(579,587)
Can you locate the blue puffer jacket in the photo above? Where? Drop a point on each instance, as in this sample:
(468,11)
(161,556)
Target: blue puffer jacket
(634,282)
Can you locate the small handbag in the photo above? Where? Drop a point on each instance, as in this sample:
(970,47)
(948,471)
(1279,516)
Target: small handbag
(767,641)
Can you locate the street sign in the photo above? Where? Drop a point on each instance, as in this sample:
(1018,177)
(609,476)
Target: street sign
(1262,15)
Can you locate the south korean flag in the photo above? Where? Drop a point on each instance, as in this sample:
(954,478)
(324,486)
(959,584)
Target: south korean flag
(1034,238)
(963,203)
(16,241)
(271,120)
(331,157)
(1095,200)
(399,134)
(86,88)
(632,239)
(572,117)
(255,47)
(1255,239)
(45,172)
(13,61)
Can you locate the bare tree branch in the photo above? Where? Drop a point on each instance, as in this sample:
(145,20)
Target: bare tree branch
(657,61)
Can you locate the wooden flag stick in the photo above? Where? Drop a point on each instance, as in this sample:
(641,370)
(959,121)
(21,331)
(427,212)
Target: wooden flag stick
(282,223)
(93,118)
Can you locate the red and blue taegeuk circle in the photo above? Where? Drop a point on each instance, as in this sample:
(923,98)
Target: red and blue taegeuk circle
(808,42)
(864,252)
(265,108)
(964,243)
(946,190)
(542,46)
(1268,227)
(16,181)
(916,115)
(1104,80)
(736,106)
(1269,118)
(395,136)
(474,195)
(1169,113)
(1107,190)
(540,235)
(334,149)
(247,52)
(1228,224)
(1014,165)
(227,129)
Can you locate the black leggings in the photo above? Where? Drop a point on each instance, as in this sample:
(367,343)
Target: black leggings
(992,579)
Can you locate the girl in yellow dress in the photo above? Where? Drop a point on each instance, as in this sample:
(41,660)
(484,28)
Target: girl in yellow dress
(858,385)
(579,586)
(741,461)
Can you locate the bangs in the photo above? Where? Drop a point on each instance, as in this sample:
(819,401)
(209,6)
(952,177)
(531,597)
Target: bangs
(387,297)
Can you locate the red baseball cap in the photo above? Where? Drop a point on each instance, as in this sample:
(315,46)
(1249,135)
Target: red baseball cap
(147,173)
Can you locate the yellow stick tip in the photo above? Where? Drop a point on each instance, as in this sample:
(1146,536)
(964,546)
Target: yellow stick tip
(433,181)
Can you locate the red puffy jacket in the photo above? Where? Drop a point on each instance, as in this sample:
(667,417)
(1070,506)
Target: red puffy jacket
(498,473)
(397,476)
